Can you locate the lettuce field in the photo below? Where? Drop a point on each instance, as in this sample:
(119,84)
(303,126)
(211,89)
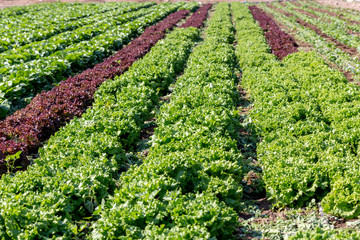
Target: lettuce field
(179,120)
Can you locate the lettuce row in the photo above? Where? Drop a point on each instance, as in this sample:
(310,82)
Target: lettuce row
(9,12)
(19,30)
(93,26)
(308,117)
(77,168)
(189,185)
(16,90)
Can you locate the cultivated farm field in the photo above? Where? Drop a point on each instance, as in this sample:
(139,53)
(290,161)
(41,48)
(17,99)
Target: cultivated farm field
(183,120)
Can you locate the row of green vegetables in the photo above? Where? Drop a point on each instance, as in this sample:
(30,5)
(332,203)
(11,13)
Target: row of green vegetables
(95,25)
(335,28)
(329,51)
(44,14)
(43,11)
(188,187)
(77,169)
(307,116)
(20,10)
(18,88)
(47,23)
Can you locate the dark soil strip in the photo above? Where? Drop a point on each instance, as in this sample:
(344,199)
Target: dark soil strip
(281,43)
(144,143)
(334,15)
(149,130)
(247,144)
(253,184)
(28,128)
(247,140)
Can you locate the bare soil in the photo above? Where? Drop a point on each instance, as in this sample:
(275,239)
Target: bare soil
(272,216)
(325,11)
